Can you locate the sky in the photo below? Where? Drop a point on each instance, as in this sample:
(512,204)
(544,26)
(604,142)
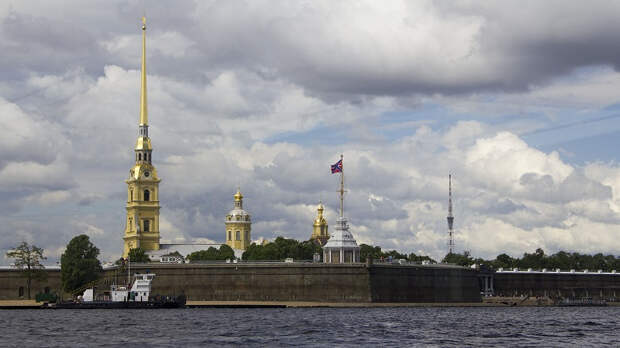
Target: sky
(518,100)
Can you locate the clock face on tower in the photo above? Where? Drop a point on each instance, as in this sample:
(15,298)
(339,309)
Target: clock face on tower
(146,174)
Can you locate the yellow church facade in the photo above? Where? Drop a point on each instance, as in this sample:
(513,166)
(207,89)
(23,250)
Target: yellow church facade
(319,227)
(143,208)
(142,221)
(238,225)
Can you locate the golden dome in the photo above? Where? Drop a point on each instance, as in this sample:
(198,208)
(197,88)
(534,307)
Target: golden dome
(320,220)
(238,195)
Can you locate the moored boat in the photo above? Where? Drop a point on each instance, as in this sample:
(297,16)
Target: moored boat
(139,296)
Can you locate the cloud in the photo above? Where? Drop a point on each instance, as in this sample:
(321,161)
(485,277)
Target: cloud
(265,96)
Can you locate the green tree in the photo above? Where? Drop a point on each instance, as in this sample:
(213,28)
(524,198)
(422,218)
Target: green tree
(223,253)
(420,258)
(226,252)
(282,248)
(458,259)
(138,255)
(79,264)
(394,254)
(503,261)
(28,260)
(367,251)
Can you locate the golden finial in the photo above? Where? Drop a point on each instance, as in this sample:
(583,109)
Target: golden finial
(143,108)
(238,195)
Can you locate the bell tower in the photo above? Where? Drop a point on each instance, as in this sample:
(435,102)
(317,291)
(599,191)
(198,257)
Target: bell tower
(319,227)
(142,222)
(238,225)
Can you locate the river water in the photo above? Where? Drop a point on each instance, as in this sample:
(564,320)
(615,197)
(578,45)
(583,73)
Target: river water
(347,327)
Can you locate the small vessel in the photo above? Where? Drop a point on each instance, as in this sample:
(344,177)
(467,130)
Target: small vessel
(582,302)
(139,296)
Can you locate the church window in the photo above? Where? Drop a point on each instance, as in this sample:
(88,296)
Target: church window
(229,235)
(131,196)
(21,291)
(238,235)
(147,195)
(139,157)
(146,225)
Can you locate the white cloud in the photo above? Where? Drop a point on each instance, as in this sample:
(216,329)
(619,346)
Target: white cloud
(266,97)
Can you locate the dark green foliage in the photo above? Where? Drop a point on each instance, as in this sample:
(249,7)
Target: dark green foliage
(367,251)
(223,253)
(458,259)
(281,249)
(504,261)
(539,260)
(226,252)
(174,253)
(138,255)
(28,260)
(421,258)
(79,264)
(377,254)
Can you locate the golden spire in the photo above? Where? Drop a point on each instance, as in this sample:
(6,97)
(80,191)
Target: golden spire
(143,111)
(238,199)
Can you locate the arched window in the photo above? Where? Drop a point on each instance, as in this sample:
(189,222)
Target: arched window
(147,195)
(238,235)
(139,157)
(21,291)
(229,235)
(146,225)
(131,195)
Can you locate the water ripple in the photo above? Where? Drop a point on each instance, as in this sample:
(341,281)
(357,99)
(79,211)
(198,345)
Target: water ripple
(314,327)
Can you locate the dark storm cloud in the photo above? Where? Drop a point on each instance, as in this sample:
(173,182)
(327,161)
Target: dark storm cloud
(335,52)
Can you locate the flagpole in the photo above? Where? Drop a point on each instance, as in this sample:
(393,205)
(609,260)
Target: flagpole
(342,188)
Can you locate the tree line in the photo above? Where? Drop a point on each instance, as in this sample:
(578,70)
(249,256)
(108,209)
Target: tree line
(282,248)
(539,260)
(377,254)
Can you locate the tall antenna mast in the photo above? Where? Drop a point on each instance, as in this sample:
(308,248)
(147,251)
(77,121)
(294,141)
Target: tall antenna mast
(450,217)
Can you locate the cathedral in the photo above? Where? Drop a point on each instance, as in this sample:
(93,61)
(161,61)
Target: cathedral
(142,221)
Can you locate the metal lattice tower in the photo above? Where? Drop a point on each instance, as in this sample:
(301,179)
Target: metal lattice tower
(450,217)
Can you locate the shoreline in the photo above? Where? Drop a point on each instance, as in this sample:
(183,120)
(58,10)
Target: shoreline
(488,302)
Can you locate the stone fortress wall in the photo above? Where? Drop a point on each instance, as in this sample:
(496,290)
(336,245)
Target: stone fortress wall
(281,281)
(287,282)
